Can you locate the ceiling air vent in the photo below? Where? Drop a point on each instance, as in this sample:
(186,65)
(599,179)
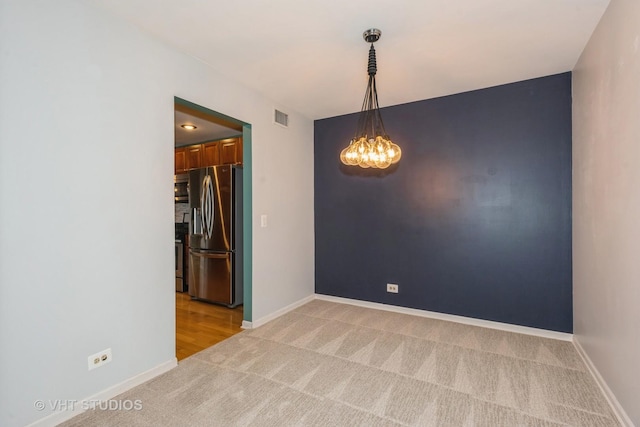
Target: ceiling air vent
(280,118)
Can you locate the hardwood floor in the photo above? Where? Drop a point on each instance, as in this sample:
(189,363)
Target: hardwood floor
(200,325)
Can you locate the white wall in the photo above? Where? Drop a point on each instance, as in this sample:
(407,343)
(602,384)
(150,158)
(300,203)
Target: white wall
(86,211)
(606,201)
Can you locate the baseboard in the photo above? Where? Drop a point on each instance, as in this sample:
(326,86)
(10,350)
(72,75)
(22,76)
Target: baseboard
(111,392)
(544,333)
(623,418)
(276,314)
(452,318)
(246,325)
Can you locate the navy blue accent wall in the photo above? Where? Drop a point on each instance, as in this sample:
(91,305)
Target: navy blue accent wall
(475,220)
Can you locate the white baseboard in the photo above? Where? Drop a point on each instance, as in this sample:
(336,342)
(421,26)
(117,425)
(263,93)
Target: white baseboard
(452,318)
(623,418)
(246,325)
(269,317)
(80,406)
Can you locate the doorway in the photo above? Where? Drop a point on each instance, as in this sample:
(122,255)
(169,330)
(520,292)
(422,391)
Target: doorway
(199,325)
(203,138)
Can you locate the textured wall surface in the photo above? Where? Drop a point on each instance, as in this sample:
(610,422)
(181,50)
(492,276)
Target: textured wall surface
(86,210)
(474,221)
(606,227)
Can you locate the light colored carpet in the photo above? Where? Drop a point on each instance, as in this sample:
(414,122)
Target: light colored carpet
(329,364)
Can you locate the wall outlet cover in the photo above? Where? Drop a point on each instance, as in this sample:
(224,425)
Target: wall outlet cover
(99,359)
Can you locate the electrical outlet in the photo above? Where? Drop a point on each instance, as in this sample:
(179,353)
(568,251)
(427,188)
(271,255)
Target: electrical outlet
(393,288)
(99,359)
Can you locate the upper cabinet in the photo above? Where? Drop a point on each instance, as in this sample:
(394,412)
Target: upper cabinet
(211,153)
(193,156)
(180,161)
(223,152)
(231,151)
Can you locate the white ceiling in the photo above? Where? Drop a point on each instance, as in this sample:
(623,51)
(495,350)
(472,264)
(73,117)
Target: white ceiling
(206,130)
(309,55)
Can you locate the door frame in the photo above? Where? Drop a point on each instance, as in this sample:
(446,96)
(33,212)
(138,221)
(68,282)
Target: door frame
(247,256)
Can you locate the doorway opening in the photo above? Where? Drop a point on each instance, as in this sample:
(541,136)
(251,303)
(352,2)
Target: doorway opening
(208,140)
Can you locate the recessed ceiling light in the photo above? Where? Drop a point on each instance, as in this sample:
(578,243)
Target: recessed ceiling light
(188,127)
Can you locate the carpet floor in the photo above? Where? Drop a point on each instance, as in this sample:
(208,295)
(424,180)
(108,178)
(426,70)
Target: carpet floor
(330,364)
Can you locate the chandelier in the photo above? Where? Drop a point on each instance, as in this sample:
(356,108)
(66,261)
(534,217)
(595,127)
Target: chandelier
(371,147)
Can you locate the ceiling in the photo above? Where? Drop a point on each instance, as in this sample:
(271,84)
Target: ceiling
(207,128)
(309,56)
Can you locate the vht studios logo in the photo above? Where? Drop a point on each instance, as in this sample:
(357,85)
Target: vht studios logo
(103,405)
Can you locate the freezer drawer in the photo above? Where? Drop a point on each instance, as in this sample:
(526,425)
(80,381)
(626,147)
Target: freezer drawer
(210,276)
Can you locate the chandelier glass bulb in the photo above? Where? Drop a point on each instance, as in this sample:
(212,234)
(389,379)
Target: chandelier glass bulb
(371,147)
(371,153)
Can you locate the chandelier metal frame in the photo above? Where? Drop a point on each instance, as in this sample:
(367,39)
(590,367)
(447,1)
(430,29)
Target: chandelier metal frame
(371,146)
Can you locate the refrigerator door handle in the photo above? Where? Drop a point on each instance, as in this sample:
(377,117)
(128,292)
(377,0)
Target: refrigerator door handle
(202,203)
(210,207)
(206,206)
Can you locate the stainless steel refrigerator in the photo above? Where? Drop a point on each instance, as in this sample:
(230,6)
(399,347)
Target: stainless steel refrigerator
(215,235)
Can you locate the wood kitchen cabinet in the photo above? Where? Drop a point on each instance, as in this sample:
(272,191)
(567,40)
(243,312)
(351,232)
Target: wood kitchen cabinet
(211,154)
(231,151)
(223,152)
(180,161)
(193,156)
